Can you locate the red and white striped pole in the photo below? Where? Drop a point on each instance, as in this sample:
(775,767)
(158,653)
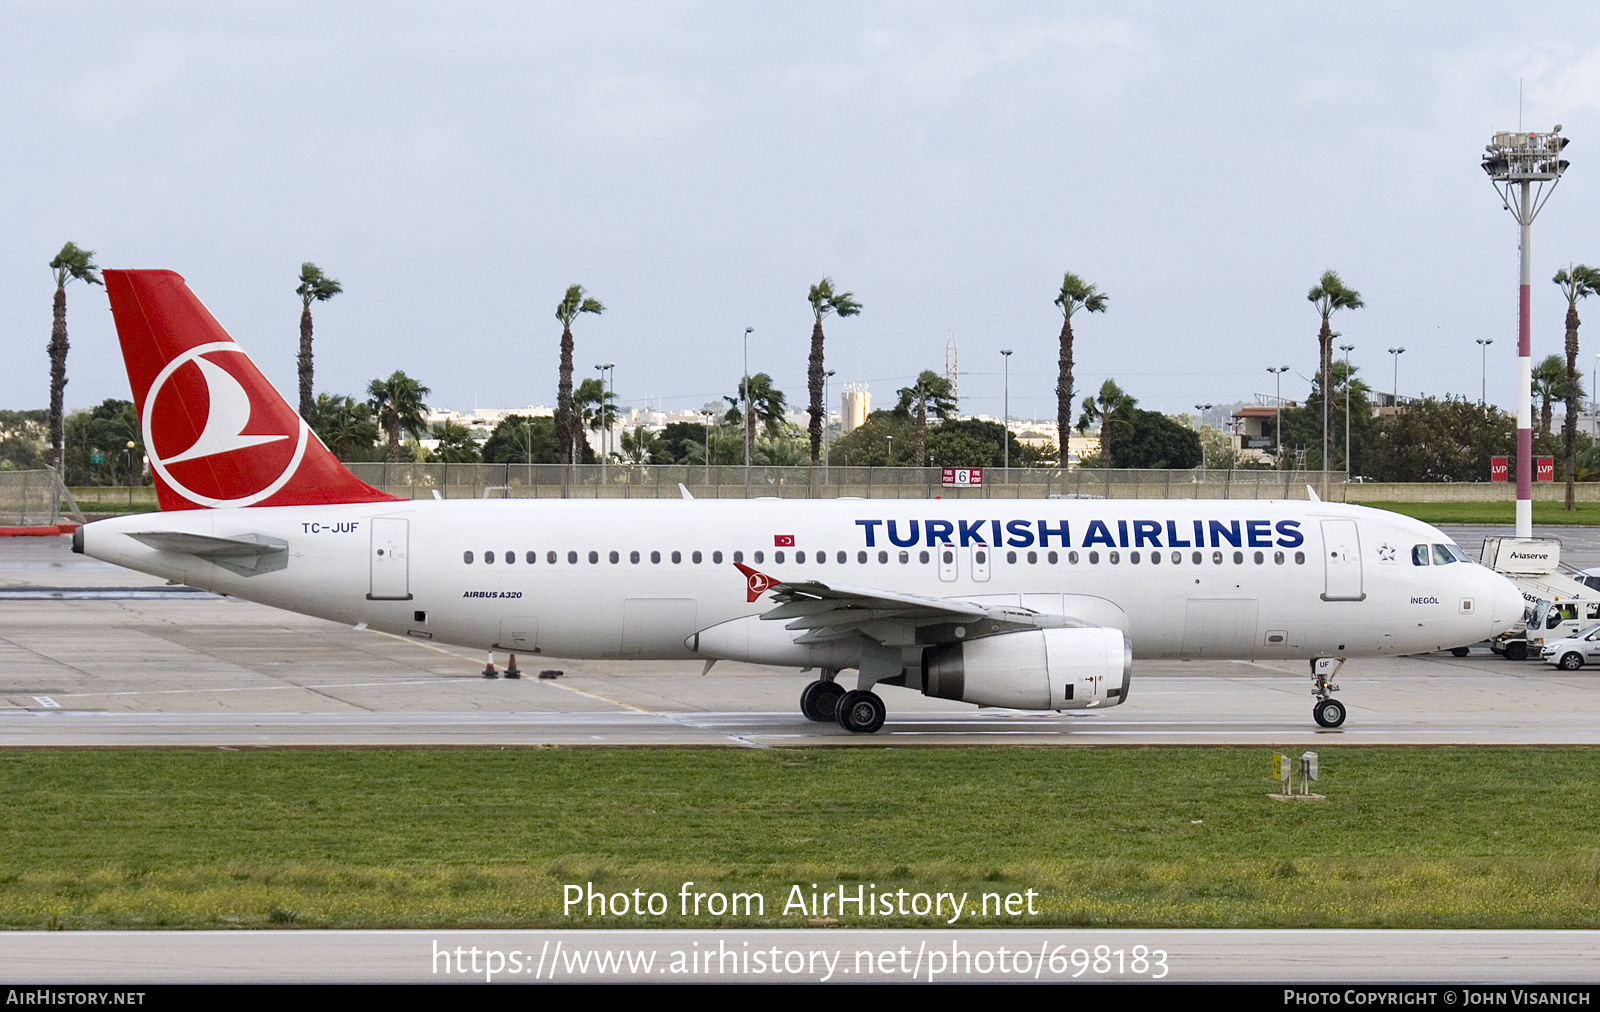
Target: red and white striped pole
(1525,375)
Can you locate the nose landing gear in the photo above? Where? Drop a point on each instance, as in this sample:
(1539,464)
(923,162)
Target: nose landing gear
(1328,712)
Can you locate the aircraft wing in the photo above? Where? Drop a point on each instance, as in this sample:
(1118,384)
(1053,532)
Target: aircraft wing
(824,612)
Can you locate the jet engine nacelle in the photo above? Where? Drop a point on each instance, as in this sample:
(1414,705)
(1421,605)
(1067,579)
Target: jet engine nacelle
(1038,669)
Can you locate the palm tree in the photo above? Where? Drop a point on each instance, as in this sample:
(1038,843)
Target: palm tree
(929,391)
(594,406)
(1576,282)
(70,264)
(767,403)
(1549,384)
(824,300)
(397,402)
(1074,295)
(314,286)
(341,421)
(567,310)
(1329,295)
(640,446)
(1111,406)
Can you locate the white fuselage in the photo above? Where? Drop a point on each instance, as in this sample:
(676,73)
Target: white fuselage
(1266,580)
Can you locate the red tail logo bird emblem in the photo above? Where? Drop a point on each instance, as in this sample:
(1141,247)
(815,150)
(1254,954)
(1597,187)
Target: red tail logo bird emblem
(756,583)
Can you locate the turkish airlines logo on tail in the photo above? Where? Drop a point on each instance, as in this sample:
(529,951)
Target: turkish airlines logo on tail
(244,448)
(756,583)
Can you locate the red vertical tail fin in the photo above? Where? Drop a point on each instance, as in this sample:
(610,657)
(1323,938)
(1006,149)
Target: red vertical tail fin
(217,433)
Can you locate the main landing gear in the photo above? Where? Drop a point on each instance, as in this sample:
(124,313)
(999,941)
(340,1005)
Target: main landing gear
(826,700)
(1328,712)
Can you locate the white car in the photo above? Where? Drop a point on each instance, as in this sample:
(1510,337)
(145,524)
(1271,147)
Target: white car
(1572,653)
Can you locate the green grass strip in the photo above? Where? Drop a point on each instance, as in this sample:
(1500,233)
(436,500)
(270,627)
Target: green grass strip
(1442,837)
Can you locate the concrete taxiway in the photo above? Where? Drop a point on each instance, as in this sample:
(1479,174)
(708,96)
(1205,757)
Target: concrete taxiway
(95,656)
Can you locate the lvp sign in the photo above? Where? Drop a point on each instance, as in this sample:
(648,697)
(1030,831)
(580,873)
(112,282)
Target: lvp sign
(1544,469)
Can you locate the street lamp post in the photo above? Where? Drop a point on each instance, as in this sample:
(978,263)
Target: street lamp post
(608,369)
(1395,396)
(1202,408)
(1514,162)
(825,411)
(708,415)
(1483,391)
(1277,414)
(745,393)
(1005,435)
(1349,468)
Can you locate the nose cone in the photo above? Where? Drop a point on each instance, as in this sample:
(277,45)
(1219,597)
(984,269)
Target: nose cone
(1508,604)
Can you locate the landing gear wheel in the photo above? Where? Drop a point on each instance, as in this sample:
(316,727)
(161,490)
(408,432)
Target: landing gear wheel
(1460,651)
(1328,713)
(819,701)
(1516,651)
(861,712)
(1571,661)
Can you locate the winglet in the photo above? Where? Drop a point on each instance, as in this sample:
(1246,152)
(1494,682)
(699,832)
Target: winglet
(756,583)
(683,490)
(1312,493)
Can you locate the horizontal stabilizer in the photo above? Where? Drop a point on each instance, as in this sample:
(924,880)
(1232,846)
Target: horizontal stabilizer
(245,554)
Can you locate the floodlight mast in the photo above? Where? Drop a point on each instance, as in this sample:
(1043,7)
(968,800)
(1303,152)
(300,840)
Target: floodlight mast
(1514,163)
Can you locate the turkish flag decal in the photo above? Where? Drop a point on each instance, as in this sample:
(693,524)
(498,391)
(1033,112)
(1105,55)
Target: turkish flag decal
(783,541)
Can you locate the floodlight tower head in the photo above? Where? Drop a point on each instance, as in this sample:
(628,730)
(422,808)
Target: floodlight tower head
(1512,160)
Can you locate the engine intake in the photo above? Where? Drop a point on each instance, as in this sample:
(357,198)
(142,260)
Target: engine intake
(1037,669)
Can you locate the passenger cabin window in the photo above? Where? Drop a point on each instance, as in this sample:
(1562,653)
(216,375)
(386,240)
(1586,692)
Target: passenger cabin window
(466,557)
(488,557)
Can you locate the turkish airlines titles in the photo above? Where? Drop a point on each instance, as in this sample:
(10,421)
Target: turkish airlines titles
(1098,533)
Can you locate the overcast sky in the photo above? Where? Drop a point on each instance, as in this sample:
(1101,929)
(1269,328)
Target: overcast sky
(697,166)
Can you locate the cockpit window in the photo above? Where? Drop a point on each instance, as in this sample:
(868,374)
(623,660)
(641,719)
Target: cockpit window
(1442,556)
(1419,555)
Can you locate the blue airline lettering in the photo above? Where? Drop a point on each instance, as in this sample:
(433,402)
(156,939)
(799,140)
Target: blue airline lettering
(1098,535)
(1228,532)
(1026,534)
(1021,533)
(908,542)
(1289,535)
(1147,531)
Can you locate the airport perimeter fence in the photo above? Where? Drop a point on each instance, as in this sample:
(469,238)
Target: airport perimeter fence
(26,494)
(35,499)
(661,481)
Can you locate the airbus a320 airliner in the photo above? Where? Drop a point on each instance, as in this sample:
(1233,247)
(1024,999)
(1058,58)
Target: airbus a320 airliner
(1031,604)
